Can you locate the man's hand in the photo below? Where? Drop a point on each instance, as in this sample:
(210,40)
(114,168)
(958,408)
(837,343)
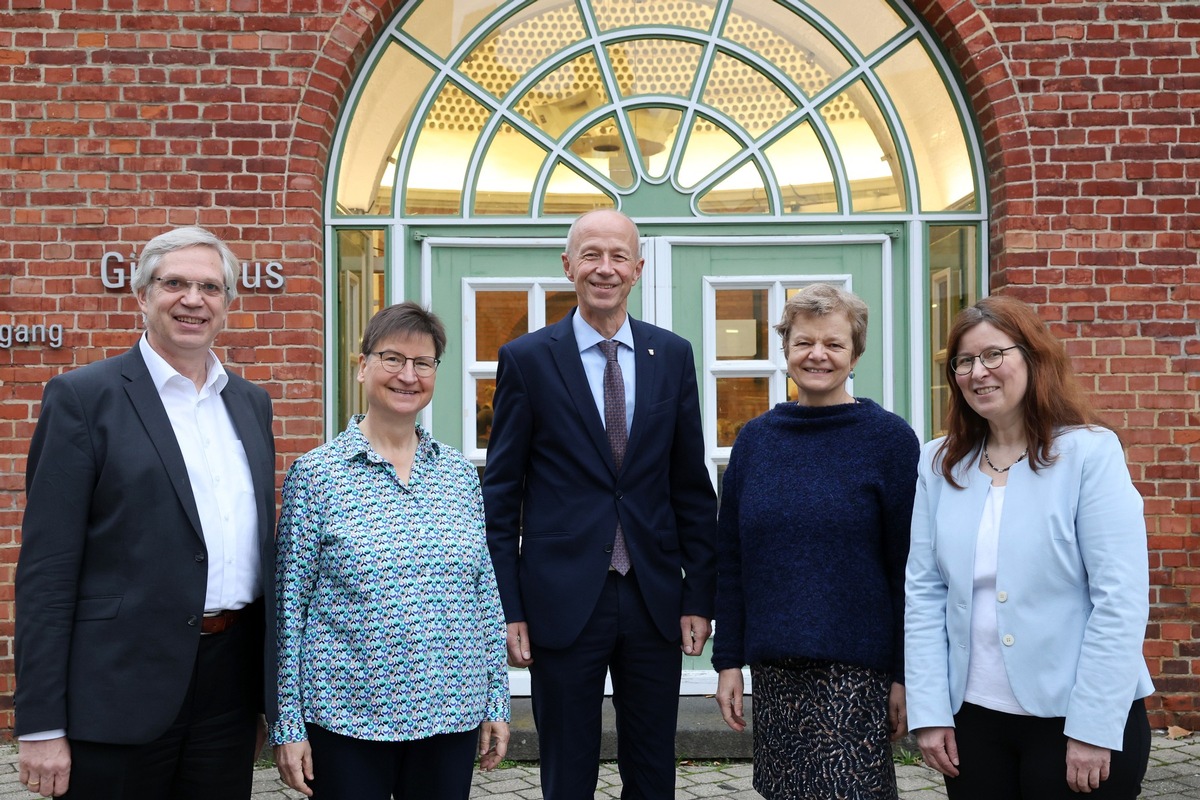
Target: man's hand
(519,652)
(1087,765)
(295,764)
(695,632)
(493,744)
(45,766)
(730,688)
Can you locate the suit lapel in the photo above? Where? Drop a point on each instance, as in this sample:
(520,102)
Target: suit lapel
(148,405)
(565,349)
(646,372)
(262,470)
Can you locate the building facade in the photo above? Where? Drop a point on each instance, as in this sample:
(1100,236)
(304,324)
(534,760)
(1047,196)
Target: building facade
(920,152)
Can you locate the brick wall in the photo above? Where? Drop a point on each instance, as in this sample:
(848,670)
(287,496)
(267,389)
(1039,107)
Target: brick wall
(119,118)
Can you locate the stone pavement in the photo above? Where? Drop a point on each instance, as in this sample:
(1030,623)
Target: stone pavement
(1174,775)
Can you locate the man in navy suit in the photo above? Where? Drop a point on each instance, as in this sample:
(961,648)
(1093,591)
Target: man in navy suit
(602,538)
(146,573)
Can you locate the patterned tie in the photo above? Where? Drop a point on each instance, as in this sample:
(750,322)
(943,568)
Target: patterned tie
(618,437)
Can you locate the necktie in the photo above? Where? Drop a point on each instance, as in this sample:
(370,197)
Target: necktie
(618,437)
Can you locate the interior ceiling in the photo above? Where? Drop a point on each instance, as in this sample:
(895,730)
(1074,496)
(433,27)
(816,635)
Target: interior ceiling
(640,67)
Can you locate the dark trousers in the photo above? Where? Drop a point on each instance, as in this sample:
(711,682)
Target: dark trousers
(208,751)
(1011,757)
(568,692)
(436,768)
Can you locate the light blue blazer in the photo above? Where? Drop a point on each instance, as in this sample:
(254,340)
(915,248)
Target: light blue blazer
(1072,587)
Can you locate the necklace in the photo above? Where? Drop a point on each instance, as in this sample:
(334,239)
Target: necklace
(1010,466)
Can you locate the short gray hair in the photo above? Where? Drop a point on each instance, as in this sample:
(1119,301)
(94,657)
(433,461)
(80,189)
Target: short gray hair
(822,299)
(181,239)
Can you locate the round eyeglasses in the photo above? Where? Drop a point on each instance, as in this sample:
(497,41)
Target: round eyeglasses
(424,366)
(180,285)
(990,359)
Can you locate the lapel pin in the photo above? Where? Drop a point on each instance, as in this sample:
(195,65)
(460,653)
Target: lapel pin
(650,351)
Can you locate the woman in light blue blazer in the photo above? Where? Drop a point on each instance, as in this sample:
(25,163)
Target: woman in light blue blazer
(1027,582)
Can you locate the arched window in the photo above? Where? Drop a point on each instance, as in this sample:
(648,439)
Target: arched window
(760,144)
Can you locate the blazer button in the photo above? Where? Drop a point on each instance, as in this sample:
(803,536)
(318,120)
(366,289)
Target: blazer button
(1008,640)
(192,621)
(619,495)
(1002,597)
(608,548)
(199,558)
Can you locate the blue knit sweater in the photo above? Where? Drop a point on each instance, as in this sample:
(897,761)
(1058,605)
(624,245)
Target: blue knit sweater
(814,525)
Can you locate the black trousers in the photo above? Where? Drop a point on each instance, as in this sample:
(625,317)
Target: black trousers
(1012,757)
(435,768)
(568,695)
(208,752)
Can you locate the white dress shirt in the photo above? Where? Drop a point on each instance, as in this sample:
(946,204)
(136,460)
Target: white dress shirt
(220,476)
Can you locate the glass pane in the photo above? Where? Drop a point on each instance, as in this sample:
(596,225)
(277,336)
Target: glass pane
(655,66)
(866,146)
(788,41)
(867,23)
(655,129)
(558,305)
(361,266)
(802,168)
(571,193)
(952,269)
(603,147)
(934,132)
(441,24)
(381,116)
(507,175)
(564,96)
(695,14)
(707,148)
(743,192)
(748,97)
(500,317)
(739,400)
(485,389)
(521,43)
(438,168)
(742,324)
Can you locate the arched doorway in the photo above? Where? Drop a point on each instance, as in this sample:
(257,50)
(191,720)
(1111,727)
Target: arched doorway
(761,145)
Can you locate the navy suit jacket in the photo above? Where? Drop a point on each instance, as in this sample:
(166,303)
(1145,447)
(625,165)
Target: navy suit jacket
(553,496)
(112,572)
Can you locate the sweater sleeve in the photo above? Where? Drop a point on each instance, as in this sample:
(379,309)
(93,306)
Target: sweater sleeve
(901,480)
(729,630)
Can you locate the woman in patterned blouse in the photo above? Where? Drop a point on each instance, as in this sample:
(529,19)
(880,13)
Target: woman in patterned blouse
(391,635)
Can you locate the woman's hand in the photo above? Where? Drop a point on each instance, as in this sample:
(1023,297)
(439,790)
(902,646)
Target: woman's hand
(493,744)
(1087,765)
(939,749)
(897,713)
(730,687)
(294,762)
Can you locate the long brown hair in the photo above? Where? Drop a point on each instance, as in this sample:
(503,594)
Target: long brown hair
(1053,398)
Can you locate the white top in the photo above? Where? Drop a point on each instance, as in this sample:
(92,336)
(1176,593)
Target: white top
(219,473)
(987,678)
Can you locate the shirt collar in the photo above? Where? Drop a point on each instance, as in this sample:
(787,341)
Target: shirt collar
(352,443)
(161,372)
(586,336)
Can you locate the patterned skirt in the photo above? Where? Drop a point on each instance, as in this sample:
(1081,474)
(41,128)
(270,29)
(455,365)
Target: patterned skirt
(821,732)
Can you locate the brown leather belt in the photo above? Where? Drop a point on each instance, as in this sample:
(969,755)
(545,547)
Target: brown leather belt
(219,621)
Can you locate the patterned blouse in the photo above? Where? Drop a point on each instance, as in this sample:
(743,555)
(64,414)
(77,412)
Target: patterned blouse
(390,626)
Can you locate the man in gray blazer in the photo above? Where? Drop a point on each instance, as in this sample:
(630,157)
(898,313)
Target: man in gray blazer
(144,586)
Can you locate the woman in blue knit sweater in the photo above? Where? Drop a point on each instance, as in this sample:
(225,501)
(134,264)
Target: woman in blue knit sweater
(813,537)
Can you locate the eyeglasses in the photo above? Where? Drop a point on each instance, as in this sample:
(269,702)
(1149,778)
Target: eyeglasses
(989,358)
(424,366)
(180,285)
